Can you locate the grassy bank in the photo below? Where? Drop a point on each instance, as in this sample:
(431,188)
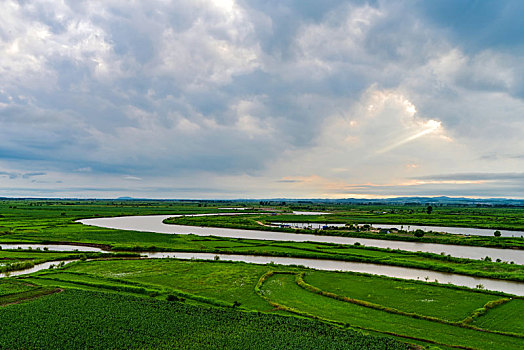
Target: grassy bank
(45,224)
(253,222)
(96,292)
(410,310)
(283,292)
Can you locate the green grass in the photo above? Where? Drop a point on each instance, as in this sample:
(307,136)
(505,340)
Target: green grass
(79,319)
(224,283)
(507,318)
(10,286)
(283,290)
(424,299)
(21,255)
(24,259)
(43,222)
(317,250)
(221,283)
(228,282)
(489,218)
(252,222)
(27,295)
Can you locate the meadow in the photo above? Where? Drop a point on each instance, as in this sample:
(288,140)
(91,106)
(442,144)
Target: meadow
(76,319)
(171,303)
(28,221)
(283,292)
(378,215)
(510,218)
(408,310)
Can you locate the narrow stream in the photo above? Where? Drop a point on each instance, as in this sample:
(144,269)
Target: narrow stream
(51,247)
(510,287)
(36,268)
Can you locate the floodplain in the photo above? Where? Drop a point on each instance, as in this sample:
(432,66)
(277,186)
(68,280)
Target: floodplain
(167,303)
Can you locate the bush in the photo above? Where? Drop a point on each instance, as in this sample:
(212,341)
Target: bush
(419,233)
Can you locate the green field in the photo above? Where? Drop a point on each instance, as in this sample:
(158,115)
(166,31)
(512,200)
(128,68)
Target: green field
(282,289)
(29,221)
(170,303)
(80,319)
(506,318)
(461,217)
(8,287)
(481,217)
(429,314)
(444,303)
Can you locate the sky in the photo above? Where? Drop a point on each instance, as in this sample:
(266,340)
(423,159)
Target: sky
(232,99)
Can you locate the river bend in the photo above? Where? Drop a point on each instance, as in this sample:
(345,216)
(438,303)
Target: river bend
(154,223)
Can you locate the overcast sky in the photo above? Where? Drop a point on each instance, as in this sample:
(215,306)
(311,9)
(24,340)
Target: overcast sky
(262,98)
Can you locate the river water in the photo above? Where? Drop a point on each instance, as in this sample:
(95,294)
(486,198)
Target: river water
(374,269)
(36,268)
(510,287)
(454,230)
(50,247)
(306,225)
(153,223)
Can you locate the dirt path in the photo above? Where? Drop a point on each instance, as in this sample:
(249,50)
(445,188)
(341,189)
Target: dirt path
(30,295)
(262,224)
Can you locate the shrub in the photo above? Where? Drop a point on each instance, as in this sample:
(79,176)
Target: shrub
(419,233)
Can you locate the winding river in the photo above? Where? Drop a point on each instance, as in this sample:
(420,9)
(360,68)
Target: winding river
(510,287)
(153,223)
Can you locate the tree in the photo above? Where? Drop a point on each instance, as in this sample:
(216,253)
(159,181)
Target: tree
(497,233)
(429,209)
(419,233)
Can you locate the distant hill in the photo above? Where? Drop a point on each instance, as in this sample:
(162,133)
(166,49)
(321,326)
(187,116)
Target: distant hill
(411,200)
(442,200)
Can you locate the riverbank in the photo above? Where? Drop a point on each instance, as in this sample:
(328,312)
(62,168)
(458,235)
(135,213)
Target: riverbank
(262,223)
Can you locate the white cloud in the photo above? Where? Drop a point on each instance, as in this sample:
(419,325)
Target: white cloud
(35,40)
(233,92)
(371,141)
(216,46)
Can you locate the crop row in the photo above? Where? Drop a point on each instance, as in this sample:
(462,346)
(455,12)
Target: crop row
(102,321)
(283,293)
(299,279)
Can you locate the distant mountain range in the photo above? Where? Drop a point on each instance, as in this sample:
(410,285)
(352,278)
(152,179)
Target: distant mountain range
(397,200)
(412,200)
